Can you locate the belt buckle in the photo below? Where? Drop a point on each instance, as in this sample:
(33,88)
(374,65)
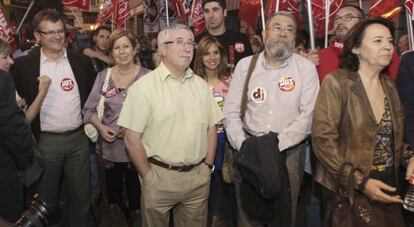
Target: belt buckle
(180,169)
(381,168)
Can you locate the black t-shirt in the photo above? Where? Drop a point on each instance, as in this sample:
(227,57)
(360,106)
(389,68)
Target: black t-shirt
(236,44)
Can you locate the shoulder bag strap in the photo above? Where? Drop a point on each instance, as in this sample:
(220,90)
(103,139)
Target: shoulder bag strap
(100,107)
(243,105)
(340,175)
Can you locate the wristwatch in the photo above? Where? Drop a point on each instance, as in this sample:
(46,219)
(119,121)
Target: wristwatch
(211,167)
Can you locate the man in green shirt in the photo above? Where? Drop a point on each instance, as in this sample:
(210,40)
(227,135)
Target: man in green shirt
(170,118)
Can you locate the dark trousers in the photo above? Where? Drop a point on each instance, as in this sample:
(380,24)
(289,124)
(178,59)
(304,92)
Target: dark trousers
(66,157)
(115,174)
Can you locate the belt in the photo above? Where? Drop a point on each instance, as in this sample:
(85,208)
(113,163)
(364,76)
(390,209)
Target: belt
(65,133)
(379,168)
(176,168)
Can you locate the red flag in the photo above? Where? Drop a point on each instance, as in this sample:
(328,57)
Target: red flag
(380,7)
(122,13)
(6,30)
(318,15)
(409,5)
(182,7)
(248,12)
(107,11)
(284,5)
(81,4)
(197,17)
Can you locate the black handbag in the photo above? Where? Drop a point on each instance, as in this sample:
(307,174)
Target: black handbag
(349,208)
(353,209)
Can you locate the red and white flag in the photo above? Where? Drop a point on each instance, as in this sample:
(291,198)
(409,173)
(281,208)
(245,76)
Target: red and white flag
(6,30)
(81,4)
(183,8)
(197,20)
(318,15)
(107,11)
(122,13)
(381,7)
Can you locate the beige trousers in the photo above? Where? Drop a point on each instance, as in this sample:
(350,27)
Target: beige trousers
(186,193)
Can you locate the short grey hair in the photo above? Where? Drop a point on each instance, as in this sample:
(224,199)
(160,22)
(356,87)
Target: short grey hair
(281,13)
(4,47)
(163,35)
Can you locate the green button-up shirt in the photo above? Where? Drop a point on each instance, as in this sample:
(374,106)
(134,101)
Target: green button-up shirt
(173,115)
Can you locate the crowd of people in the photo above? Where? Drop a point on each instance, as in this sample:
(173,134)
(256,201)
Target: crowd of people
(169,114)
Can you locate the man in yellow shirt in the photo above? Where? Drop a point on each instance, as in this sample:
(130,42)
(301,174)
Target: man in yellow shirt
(170,118)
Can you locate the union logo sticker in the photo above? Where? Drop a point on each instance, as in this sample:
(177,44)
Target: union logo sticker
(286,83)
(239,47)
(67,84)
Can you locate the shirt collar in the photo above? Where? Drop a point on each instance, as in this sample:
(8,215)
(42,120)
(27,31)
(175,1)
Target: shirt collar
(43,57)
(283,65)
(165,73)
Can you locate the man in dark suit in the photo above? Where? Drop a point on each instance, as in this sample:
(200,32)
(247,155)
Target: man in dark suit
(15,141)
(405,84)
(58,127)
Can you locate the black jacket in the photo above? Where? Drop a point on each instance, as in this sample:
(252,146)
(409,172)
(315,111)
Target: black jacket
(26,70)
(405,83)
(15,143)
(265,190)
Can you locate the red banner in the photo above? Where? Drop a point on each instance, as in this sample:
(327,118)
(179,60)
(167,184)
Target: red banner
(284,5)
(107,11)
(6,30)
(183,8)
(380,7)
(81,4)
(318,15)
(409,5)
(248,12)
(198,23)
(122,13)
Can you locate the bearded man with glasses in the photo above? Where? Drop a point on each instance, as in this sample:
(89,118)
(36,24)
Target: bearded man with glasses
(281,94)
(58,127)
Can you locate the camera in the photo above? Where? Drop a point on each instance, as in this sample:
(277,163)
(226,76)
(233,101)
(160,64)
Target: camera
(37,215)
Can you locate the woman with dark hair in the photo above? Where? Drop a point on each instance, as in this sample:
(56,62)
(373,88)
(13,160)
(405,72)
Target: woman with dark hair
(211,65)
(358,119)
(117,164)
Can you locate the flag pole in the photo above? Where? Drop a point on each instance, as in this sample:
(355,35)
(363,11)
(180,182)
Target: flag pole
(277,5)
(166,11)
(310,21)
(25,15)
(327,6)
(410,29)
(76,18)
(262,15)
(112,22)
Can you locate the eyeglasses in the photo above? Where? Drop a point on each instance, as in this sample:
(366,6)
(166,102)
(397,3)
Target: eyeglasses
(345,18)
(280,29)
(53,32)
(182,43)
